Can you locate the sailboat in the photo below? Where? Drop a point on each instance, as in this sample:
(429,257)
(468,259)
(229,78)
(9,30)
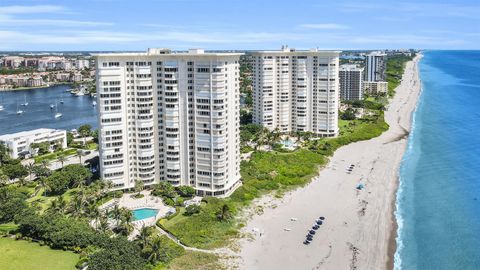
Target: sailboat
(61,99)
(57,114)
(19,111)
(26,103)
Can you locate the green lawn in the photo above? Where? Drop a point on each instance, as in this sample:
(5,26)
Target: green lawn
(44,201)
(7,227)
(54,156)
(23,255)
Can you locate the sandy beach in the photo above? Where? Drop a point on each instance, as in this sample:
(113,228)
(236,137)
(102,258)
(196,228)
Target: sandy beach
(359,229)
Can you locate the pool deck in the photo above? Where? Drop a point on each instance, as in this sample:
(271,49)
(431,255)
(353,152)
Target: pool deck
(148,201)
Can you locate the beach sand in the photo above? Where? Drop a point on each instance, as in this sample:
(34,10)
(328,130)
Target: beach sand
(359,228)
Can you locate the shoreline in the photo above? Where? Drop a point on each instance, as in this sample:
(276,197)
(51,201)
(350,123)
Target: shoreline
(360,230)
(392,245)
(33,88)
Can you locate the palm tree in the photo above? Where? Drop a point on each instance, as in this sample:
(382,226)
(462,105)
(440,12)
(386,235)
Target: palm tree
(79,183)
(224,213)
(76,206)
(45,163)
(42,183)
(116,213)
(79,154)
(127,216)
(30,168)
(155,250)
(102,224)
(22,181)
(143,236)
(58,205)
(62,159)
(139,185)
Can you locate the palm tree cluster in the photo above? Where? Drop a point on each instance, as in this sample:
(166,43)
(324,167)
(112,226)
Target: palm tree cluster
(84,204)
(122,220)
(267,137)
(156,248)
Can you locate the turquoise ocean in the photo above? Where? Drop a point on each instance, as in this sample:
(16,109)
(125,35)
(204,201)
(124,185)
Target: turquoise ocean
(438,199)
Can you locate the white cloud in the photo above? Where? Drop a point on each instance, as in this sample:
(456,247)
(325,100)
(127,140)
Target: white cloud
(100,37)
(323,26)
(31,9)
(5,20)
(407,40)
(409,9)
(9,17)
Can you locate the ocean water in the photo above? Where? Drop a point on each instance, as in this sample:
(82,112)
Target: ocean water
(438,200)
(76,110)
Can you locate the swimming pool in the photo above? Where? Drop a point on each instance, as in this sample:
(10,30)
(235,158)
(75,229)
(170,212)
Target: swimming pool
(287,143)
(143,213)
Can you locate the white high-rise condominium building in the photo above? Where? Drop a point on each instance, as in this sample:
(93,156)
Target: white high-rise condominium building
(296,90)
(351,87)
(375,67)
(172,117)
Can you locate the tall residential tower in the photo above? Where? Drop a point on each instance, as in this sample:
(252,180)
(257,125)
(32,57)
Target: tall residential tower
(171,117)
(351,87)
(375,67)
(296,90)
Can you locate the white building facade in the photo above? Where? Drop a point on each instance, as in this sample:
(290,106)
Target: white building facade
(351,78)
(296,90)
(170,117)
(375,67)
(20,143)
(375,87)
(82,63)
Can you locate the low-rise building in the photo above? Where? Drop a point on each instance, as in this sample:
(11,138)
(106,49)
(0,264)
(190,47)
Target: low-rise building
(20,143)
(64,77)
(35,82)
(375,87)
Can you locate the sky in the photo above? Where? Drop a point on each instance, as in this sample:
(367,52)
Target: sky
(104,25)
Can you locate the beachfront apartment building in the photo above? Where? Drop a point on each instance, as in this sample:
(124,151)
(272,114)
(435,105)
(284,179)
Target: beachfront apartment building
(20,143)
(296,90)
(351,78)
(375,67)
(172,117)
(375,87)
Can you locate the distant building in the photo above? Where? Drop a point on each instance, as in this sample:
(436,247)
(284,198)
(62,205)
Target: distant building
(13,61)
(375,67)
(375,87)
(76,77)
(351,77)
(31,62)
(170,117)
(296,90)
(63,77)
(34,82)
(20,143)
(82,63)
